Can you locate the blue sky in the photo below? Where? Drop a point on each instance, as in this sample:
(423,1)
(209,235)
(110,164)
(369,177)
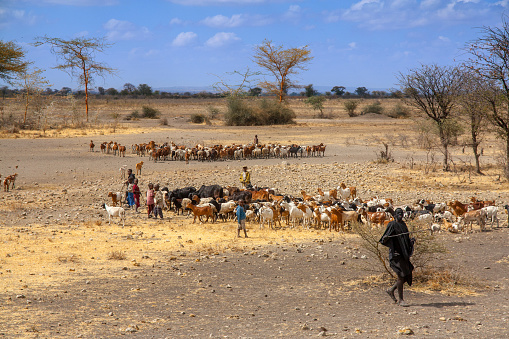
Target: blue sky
(166,43)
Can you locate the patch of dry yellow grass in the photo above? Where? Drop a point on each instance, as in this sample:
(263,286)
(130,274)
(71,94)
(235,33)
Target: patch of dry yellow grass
(47,255)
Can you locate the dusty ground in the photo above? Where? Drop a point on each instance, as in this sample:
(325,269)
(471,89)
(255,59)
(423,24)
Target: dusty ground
(175,279)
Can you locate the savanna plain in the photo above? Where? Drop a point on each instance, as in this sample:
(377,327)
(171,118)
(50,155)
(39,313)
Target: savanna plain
(66,272)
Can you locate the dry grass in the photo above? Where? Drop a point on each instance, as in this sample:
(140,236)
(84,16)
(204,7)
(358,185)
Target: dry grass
(46,255)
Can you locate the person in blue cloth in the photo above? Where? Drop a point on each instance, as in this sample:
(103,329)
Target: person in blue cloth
(241,218)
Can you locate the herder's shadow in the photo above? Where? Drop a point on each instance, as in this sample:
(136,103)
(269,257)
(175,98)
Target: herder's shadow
(441,305)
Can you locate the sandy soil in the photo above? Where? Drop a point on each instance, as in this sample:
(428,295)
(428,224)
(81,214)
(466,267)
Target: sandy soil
(179,280)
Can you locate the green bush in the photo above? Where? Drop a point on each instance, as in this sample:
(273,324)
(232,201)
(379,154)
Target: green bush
(399,111)
(265,112)
(150,113)
(375,107)
(350,107)
(197,118)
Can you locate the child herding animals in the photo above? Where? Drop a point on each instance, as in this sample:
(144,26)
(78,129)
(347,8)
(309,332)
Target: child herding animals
(150,200)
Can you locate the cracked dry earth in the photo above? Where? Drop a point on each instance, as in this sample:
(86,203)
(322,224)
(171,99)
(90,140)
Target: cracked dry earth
(176,279)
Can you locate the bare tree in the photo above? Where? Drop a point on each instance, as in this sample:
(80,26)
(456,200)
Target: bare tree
(490,59)
(78,58)
(475,107)
(33,83)
(236,83)
(434,90)
(281,63)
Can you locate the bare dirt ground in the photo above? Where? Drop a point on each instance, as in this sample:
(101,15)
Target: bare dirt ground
(64,272)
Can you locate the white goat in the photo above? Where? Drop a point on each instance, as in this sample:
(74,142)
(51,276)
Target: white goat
(491,214)
(115,212)
(123,170)
(266,215)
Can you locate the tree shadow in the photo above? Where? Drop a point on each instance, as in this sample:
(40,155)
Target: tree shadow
(450,304)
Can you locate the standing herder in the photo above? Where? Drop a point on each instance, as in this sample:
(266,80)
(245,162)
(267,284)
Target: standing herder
(150,200)
(400,250)
(245,177)
(158,202)
(241,218)
(256,140)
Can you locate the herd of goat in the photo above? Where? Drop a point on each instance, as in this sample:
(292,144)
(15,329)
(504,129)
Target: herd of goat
(334,209)
(171,151)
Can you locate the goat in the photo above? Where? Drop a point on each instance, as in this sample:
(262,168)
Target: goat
(115,198)
(115,212)
(266,215)
(468,218)
(138,168)
(201,211)
(491,214)
(122,171)
(91,146)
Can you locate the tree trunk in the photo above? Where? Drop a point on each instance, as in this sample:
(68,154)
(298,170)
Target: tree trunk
(445,144)
(86,99)
(26,109)
(506,167)
(475,147)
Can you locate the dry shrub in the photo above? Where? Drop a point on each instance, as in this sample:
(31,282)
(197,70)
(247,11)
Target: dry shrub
(72,258)
(444,280)
(117,255)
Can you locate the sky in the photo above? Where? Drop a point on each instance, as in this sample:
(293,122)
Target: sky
(180,43)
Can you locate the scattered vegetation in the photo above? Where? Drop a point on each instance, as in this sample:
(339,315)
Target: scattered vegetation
(375,107)
(150,113)
(350,107)
(265,112)
(213,112)
(197,118)
(399,111)
(116,255)
(163,122)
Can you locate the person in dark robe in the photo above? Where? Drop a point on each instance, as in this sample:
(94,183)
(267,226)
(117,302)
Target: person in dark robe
(397,238)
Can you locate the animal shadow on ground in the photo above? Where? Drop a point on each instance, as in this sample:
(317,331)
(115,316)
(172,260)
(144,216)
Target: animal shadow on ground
(441,305)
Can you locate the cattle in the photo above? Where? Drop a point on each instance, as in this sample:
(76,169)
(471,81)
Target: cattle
(179,193)
(211,191)
(245,196)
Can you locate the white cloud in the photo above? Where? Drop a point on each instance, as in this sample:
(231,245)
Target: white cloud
(503,3)
(224,21)
(9,15)
(216,2)
(359,5)
(352,45)
(222,39)
(176,21)
(444,39)
(124,30)
(184,39)
(80,2)
(293,13)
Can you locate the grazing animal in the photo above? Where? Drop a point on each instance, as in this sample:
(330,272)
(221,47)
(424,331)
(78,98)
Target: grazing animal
(121,150)
(458,209)
(91,146)
(491,214)
(115,198)
(138,168)
(266,216)
(200,211)
(115,212)
(478,216)
(122,171)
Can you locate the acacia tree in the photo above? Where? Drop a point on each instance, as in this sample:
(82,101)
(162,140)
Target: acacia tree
(12,63)
(490,59)
(33,83)
(78,58)
(434,90)
(281,63)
